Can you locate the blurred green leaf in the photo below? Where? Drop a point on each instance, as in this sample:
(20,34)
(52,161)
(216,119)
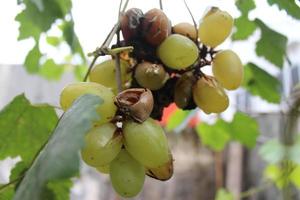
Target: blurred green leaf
(223,194)
(274,173)
(51,71)
(244,129)
(272,151)
(272,45)
(261,83)
(295,176)
(7,193)
(294,151)
(24,128)
(58,190)
(53,40)
(243,28)
(289,6)
(215,136)
(80,71)
(245,6)
(32,60)
(60,157)
(176,119)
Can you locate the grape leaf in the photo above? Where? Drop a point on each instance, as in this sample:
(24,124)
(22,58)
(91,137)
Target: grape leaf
(223,194)
(244,129)
(32,60)
(289,6)
(7,193)
(215,136)
(272,151)
(53,40)
(51,71)
(176,119)
(60,159)
(245,6)
(271,45)
(243,28)
(295,176)
(261,83)
(24,128)
(58,190)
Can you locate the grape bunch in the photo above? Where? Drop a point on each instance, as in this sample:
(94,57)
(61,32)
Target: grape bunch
(163,67)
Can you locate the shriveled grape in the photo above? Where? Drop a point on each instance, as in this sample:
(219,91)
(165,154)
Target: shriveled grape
(130,23)
(178,52)
(215,27)
(72,91)
(127,175)
(146,142)
(228,69)
(101,145)
(210,96)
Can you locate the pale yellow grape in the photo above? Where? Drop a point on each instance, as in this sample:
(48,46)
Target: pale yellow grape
(127,175)
(146,142)
(210,96)
(103,169)
(215,27)
(105,74)
(101,147)
(72,91)
(228,69)
(178,52)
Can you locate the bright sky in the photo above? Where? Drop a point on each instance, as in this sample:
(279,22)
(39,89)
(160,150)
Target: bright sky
(94,18)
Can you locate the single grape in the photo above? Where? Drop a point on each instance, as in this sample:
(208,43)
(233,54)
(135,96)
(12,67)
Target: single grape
(155,26)
(186,29)
(105,74)
(150,75)
(127,175)
(215,27)
(101,145)
(209,95)
(164,172)
(130,23)
(228,69)
(72,91)
(103,169)
(178,52)
(146,142)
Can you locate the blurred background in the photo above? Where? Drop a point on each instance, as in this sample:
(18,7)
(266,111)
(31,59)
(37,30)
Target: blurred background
(43,49)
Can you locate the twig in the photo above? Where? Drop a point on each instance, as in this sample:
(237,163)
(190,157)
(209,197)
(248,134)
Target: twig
(90,68)
(118,67)
(160,4)
(255,190)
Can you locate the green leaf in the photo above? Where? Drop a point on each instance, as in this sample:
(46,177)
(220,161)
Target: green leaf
(245,6)
(80,71)
(58,190)
(272,151)
(223,194)
(176,118)
(295,176)
(261,83)
(243,28)
(215,136)
(289,6)
(274,173)
(33,21)
(294,151)
(53,40)
(60,157)
(32,60)
(51,71)
(244,129)
(7,193)
(24,128)
(272,45)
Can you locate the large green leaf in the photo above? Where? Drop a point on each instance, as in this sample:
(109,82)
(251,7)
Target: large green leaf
(271,45)
(215,136)
(32,60)
(244,129)
(60,157)
(272,151)
(261,83)
(243,28)
(289,6)
(245,6)
(24,128)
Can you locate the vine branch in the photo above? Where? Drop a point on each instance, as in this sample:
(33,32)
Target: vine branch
(160,4)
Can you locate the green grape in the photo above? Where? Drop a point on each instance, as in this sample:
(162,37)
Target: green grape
(215,27)
(146,142)
(178,52)
(103,169)
(72,91)
(101,145)
(127,175)
(210,96)
(105,74)
(228,69)
(150,75)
